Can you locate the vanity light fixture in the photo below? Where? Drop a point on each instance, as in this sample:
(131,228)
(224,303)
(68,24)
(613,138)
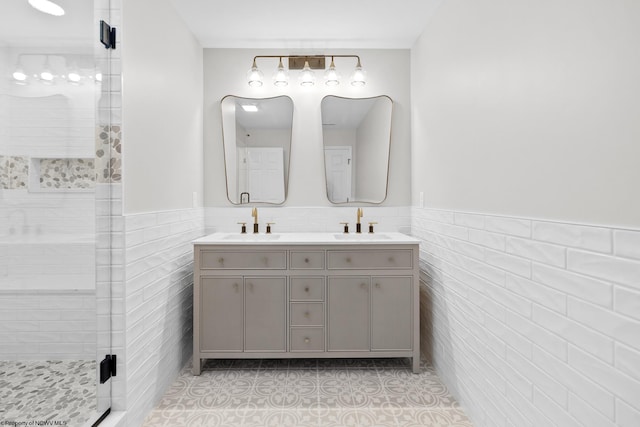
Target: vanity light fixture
(250,108)
(306,64)
(255,76)
(281,76)
(48,7)
(19,76)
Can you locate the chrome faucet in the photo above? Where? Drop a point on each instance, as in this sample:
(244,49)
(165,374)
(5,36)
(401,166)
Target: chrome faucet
(359,215)
(254,214)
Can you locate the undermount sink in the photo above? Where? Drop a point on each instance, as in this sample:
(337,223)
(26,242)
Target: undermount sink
(252,237)
(363,236)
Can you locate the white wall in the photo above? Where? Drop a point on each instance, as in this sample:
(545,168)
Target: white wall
(225,73)
(529,108)
(524,141)
(162,108)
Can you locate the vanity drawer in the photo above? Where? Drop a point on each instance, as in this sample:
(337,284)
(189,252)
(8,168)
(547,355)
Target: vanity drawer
(369,259)
(307,339)
(307,288)
(263,260)
(307,260)
(306,314)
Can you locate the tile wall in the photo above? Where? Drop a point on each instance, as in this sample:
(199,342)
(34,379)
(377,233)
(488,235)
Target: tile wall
(532,322)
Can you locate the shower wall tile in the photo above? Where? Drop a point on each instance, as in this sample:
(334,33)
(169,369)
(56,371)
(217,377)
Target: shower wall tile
(14,172)
(557,342)
(109,153)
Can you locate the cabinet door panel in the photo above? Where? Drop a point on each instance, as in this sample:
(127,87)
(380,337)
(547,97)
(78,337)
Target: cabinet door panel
(348,314)
(221,314)
(391,314)
(265,314)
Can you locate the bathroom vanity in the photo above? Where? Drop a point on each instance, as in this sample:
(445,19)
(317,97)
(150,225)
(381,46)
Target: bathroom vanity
(305,295)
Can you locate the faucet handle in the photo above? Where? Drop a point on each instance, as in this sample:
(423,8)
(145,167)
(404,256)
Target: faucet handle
(269,224)
(346,226)
(244,227)
(371,226)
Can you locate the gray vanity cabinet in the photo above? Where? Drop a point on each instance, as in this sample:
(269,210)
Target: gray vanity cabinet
(348,314)
(265,314)
(305,300)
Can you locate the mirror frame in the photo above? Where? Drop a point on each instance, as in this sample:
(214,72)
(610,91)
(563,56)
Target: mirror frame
(224,152)
(324,160)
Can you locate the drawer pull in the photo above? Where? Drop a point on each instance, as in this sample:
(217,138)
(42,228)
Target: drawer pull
(378,285)
(391,259)
(251,287)
(265,260)
(306,260)
(306,289)
(363,285)
(307,340)
(307,314)
(235,286)
(348,259)
(221,260)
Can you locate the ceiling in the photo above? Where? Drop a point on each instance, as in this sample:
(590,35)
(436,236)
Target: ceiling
(297,24)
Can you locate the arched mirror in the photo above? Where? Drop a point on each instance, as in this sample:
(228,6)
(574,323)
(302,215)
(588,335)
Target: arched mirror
(256,134)
(356,136)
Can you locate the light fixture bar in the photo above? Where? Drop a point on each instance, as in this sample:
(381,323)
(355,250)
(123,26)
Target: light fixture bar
(306,63)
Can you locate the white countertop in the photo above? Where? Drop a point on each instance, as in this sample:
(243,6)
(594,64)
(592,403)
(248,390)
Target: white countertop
(305,239)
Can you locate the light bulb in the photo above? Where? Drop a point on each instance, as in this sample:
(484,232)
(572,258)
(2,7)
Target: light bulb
(46,75)
(19,75)
(281,76)
(359,76)
(47,7)
(254,76)
(307,76)
(73,77)
(98,77)
(331,76)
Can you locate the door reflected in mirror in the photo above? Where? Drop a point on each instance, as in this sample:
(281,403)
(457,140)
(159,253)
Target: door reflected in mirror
(356,135)
(256,134)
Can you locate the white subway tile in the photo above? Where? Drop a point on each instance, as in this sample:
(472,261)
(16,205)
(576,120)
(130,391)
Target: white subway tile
(538,293)
(513,264)
(542,252)
(627,302)
(577,236)
(628,360)
(579,286)
(606,375)
(553,409)
(540,336)
(488,239)
(468,220)
(626,415)
(550,386)
(627,243)
(612,324)
(586,415)
(605,267)
(576,382)
(579,334)
(511,226)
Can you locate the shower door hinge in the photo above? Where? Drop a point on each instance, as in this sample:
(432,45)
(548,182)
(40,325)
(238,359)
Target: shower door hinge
(107,35)
(107,368)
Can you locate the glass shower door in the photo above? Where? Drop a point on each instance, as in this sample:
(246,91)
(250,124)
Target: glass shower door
(54,292)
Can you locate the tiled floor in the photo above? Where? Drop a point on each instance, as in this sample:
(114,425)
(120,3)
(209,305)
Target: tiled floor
(62,391)
(304,393)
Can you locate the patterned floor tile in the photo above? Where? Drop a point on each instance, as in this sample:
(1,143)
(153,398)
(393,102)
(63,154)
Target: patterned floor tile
(309,393)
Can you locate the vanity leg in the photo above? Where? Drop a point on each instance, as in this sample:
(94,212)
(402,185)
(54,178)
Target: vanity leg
(197,366)
(416,365)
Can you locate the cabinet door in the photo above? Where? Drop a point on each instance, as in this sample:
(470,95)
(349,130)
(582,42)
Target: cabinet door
(391,312)
(265,314)
(221,314)
(348,313)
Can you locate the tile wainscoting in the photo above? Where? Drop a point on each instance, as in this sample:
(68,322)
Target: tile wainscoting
(532,322)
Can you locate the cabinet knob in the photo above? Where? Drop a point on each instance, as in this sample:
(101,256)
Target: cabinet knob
(306,314)
(306,260)
(251,287)
(378,285)
(221,260)
(348,260)
(235,286)
(307,340)
(391,259)
(363,285)
(306,289)
(265,260)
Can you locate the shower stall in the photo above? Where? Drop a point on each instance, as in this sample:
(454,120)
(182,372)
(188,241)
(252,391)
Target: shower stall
(56,140)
